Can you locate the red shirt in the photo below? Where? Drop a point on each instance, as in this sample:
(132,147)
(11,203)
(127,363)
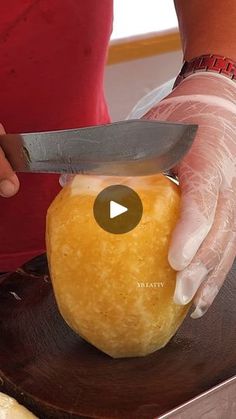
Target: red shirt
(53,54)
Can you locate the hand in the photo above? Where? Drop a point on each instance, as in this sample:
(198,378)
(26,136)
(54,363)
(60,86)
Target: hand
(203,245)
(9,183)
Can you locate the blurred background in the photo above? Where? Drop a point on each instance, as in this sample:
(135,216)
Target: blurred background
(144,52)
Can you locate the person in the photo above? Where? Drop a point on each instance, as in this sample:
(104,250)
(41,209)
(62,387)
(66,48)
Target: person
(53,55)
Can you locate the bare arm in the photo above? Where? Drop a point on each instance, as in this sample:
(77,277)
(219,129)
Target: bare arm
(207,27)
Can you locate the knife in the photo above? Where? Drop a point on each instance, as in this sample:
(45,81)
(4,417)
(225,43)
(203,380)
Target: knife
(127,148)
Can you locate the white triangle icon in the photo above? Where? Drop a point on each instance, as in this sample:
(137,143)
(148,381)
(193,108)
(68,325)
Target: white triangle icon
(116,209)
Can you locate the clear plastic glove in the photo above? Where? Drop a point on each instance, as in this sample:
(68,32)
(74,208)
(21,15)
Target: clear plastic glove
(203,244)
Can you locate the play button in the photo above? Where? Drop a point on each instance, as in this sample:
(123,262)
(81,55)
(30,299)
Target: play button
(117,209)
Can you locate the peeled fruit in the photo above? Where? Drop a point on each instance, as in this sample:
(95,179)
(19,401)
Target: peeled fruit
(115,290)
(10,409)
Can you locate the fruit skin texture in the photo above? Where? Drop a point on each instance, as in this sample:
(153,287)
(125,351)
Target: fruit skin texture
(116,291)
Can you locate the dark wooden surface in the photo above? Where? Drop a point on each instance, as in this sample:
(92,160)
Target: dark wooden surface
(58,375)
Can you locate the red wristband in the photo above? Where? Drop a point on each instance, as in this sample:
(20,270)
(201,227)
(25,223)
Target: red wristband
(211,63)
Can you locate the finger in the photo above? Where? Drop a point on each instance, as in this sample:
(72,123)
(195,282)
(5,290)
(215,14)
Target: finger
(65,179)
(210,253)
(209,289)
(9,183)
(200,191)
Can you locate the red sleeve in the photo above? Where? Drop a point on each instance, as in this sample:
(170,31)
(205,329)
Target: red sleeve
(53,54)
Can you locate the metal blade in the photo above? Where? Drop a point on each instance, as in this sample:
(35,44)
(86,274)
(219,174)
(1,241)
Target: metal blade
(127,148)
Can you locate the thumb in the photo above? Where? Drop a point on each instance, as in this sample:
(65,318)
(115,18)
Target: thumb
(9,183)
(199,195)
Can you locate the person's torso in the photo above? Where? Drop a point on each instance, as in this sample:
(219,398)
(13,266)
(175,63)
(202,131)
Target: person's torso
(53,54)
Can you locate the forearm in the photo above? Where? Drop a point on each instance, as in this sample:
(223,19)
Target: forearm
(207,27)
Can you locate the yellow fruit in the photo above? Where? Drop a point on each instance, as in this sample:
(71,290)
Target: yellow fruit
(115,290)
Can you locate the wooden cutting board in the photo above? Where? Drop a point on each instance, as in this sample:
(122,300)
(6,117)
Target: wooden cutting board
(53,372)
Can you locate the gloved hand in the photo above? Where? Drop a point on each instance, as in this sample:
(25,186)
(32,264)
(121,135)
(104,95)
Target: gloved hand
(203,244)
(9,183)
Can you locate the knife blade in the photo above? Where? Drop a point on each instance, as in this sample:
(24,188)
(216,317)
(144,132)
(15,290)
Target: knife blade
(127,148)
